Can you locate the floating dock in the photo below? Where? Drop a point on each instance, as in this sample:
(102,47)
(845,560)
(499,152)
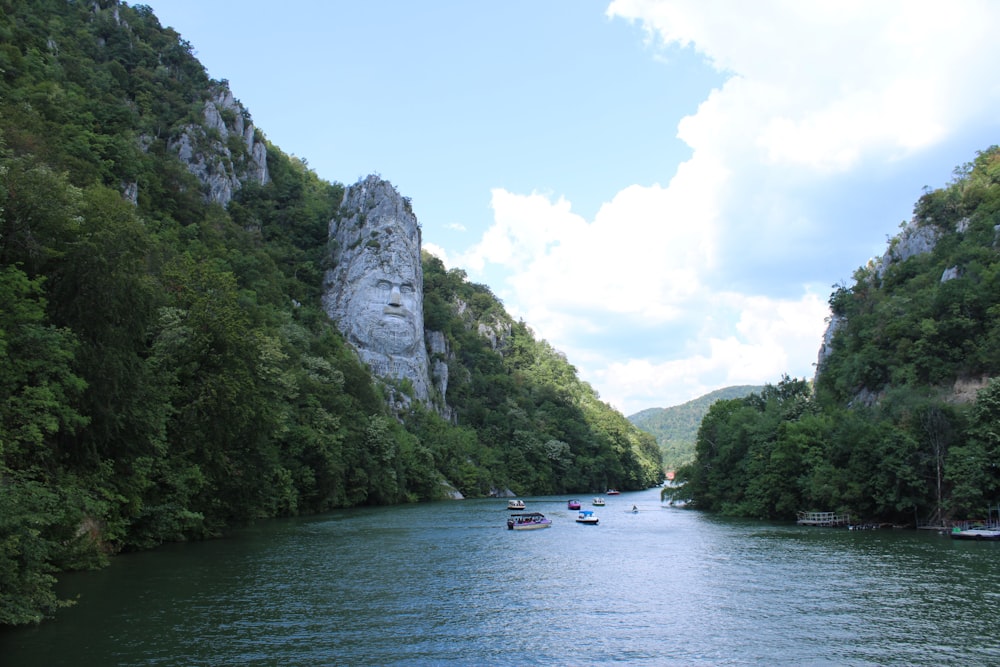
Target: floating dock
(825,519)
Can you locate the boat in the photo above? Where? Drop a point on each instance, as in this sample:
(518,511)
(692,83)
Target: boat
(573,505)
(515,505)
(975,533)
(613,492)
(587,517)
(599,502)
(978,529)
(528,521)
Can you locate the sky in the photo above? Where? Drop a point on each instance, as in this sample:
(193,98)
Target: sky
(667,191)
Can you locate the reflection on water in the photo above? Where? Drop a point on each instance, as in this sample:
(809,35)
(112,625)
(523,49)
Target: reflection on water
(448,583)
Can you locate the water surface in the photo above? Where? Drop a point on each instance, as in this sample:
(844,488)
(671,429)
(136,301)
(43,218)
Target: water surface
(446,583)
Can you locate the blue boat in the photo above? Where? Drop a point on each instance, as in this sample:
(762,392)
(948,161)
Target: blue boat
(587,517)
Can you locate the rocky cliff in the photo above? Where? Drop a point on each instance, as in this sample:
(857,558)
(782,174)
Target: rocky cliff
(920,236)
(224,151)
(374,292)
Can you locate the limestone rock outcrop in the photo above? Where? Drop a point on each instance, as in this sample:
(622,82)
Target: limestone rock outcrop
(915,239)
(374,292)
(826,347)
(223,166)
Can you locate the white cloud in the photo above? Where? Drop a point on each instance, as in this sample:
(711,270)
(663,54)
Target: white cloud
(524,228)
(815,90)
(644,254)
(771,338)
(823,84)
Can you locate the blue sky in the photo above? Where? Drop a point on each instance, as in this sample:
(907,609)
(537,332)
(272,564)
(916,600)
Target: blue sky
(665,190)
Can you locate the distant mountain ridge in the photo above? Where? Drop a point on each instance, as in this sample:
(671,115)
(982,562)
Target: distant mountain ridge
(676,428)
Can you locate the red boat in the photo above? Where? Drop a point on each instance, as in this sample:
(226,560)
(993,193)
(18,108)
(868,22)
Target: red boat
(573,505)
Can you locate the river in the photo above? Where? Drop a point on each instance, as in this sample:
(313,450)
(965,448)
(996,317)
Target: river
(447,583)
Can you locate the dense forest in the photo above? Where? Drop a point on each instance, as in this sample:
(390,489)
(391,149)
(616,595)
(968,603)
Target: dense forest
(676,428)
(166,368)
(901,425)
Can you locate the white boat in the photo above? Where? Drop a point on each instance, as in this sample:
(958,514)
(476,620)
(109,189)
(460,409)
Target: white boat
(598,502)
(979,530)
(587,517)
(515,505)
(528,521)
(975,534)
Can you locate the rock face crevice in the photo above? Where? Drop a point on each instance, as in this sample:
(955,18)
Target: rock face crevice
(374,292)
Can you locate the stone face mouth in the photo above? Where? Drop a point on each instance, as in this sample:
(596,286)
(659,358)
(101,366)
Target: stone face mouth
(395,311)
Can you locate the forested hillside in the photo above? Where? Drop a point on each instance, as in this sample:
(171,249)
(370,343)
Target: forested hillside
(895,430)
(676,428)
(166,368)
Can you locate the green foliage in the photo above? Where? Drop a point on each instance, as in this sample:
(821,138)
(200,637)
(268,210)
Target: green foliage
(676,428)
(973,466)
(28,549)
(883,437)
(538,428)
(166,370)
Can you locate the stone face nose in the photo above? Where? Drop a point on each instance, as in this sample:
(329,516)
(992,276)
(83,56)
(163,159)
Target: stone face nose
(394,298)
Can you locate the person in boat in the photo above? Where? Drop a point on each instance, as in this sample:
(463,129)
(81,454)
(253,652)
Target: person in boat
(634,508)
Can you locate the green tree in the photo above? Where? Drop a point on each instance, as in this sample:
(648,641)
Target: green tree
(37,381)
(972,467)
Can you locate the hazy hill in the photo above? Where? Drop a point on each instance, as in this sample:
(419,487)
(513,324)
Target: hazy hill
(675,428)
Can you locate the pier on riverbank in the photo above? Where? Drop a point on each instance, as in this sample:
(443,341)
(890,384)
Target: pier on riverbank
(825,519)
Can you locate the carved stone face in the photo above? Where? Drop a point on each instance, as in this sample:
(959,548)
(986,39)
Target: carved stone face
(385,309)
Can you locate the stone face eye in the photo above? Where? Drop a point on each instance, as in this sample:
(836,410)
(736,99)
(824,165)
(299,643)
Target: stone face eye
(406,288)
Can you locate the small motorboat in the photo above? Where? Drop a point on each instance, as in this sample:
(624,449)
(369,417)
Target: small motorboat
(573,505)
(528,521)
(598,502)
(982,533)
(613,492)
(515,505)
(587,517)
